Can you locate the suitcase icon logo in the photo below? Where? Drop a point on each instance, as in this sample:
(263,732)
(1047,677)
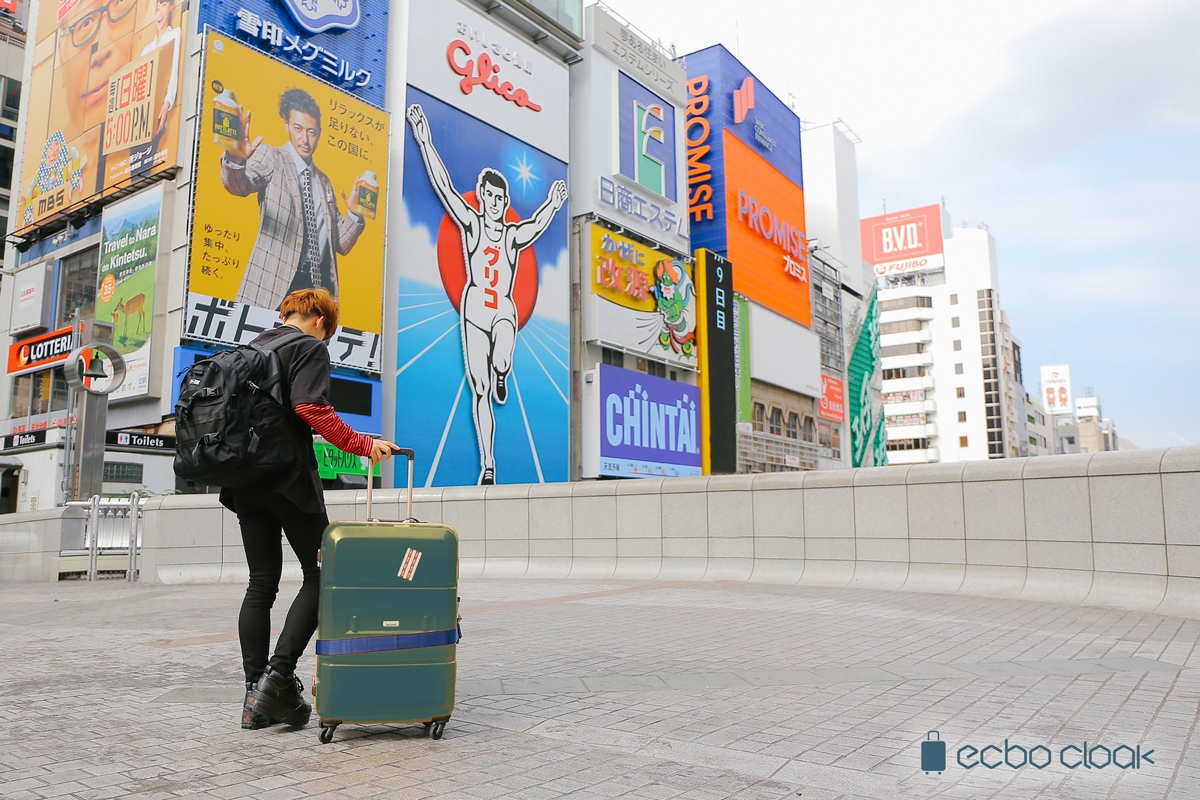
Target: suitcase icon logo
(933,753)
(409,566)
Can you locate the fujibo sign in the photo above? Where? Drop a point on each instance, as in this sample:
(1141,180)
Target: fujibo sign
(907,241)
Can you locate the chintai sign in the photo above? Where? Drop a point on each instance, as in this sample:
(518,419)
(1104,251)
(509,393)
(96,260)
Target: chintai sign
(648,426)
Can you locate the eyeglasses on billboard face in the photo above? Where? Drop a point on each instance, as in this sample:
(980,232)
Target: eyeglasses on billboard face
(82,31)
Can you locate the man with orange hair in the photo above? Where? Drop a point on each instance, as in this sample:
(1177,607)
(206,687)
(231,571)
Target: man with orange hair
(292,502)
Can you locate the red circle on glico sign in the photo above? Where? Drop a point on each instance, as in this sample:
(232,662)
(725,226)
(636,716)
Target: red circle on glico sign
(452,265)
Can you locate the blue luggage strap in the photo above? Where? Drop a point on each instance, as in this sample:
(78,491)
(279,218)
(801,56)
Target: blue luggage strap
(375,644)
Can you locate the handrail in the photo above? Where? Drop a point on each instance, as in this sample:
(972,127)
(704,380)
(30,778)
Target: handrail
(102,508)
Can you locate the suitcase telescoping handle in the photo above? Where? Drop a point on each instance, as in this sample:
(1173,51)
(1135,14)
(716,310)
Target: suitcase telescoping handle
(408,453)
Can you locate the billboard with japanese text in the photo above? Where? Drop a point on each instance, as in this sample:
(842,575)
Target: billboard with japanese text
(290,193)
(482,382)
(129,249)
(746,183)
(342,42)
(906,241)
(642,299)
(104,101)
(1056,389)
(627,163)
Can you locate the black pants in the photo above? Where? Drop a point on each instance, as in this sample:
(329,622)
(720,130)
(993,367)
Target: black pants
(262,516)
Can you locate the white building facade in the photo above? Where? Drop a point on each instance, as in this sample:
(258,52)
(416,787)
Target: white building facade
(951,375)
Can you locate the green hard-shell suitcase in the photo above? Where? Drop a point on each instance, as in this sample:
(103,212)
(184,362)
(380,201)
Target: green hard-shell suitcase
(388,622)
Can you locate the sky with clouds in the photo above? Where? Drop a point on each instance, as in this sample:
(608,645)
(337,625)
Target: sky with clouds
(1071,128)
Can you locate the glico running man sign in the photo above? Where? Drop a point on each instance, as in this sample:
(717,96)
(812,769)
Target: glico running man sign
(482,347)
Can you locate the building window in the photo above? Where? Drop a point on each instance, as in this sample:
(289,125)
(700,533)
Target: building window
(962,441)
(122,472)
(39,393)
(953,299)
(613,358)
(22,384)
(77,284)
(6,165)
(916,348)
(960,392)
(962,416)
(906,302)
(954,322)
(12,99)
(776,422)
(656,368)
(810,430)
(903,372)
(829,439)
(958,369)
(908,444)
(904,326)
(793,426)
(958,344)
(760,417)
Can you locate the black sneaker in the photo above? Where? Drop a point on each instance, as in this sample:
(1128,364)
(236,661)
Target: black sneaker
(251,719)
(488,478)
(502,388)
(281,697)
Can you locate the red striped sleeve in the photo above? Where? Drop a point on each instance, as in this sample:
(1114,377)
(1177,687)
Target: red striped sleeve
(325,421)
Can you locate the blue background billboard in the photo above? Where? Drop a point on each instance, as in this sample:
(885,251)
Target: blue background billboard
(353,59)
(649,427)
(437,405)
(767,126)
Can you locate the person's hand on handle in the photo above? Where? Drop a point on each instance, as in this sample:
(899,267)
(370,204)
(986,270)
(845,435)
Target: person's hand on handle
(382,449)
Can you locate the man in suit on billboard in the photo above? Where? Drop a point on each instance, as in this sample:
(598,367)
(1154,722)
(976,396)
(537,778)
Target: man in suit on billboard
(300,232)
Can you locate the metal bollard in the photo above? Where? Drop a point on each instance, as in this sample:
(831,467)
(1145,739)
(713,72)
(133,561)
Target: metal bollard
(131,574)
(93,538)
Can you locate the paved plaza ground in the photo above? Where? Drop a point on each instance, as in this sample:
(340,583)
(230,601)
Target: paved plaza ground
(612,689)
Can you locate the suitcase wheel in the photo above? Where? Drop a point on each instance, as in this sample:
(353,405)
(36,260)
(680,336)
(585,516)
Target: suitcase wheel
(327,732)
(436,729)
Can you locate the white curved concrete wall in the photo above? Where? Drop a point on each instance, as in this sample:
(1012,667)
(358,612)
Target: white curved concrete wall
(1111,529)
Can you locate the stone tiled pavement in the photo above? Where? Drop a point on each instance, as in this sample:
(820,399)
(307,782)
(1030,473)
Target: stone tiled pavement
(604,690)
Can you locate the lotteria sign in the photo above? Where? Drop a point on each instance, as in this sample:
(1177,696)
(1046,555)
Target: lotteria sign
(907,241)
(649,427)
(39,352)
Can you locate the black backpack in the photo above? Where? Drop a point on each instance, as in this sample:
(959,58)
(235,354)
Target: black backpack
(231,421)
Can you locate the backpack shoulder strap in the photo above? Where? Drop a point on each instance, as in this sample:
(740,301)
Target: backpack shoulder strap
(272,382)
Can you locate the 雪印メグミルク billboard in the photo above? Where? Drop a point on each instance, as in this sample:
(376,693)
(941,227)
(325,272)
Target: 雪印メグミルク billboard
(290,193)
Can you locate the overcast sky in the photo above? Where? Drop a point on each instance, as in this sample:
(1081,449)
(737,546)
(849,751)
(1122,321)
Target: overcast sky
(1071,128)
